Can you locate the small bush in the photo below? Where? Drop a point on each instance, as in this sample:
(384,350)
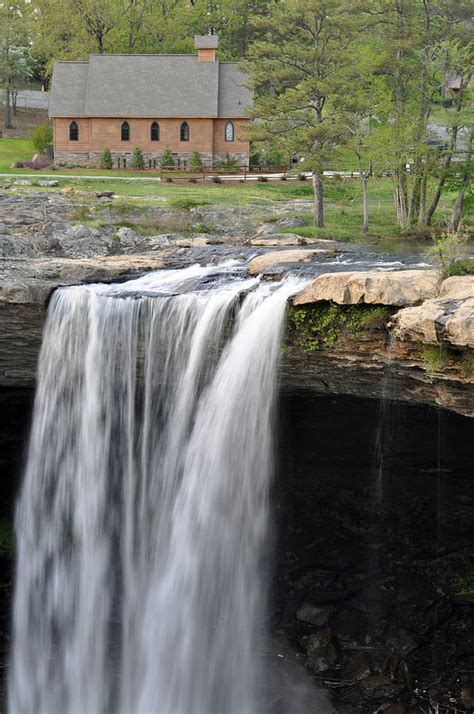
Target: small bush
(138,162)
(216,179)
(301,177)
(263,179)
(450,254)
(169,179)
(283,178)
(196,160)
(167,158)
(192,180)
(106,159)
(230,163)
(41,137)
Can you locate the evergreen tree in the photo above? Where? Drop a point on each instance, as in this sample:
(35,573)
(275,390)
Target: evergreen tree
(167,158)
(106,159)
(307,53)
(138,162)
(196,160)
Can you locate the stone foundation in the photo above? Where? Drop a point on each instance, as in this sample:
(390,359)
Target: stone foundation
(123,160)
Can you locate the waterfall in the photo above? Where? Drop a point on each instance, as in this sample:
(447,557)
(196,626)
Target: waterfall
(143,521)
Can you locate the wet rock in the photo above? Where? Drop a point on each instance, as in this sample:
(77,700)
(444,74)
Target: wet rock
(399,288)
(467,696)
(378,686)
(355,667)
(321,653)
(262,262)
(400,641)
(314,615)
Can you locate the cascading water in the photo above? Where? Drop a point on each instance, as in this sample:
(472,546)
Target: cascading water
(143,519)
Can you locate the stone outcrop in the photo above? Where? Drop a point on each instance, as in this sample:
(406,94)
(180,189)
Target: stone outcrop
(341,346)
(399,288)
(268,260)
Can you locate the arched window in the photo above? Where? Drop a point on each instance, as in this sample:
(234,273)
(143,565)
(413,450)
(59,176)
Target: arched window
(125,131)
(73,131)
(229,131)
(184,131)
(155,131)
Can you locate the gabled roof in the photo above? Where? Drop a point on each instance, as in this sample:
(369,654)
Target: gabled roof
(148,86)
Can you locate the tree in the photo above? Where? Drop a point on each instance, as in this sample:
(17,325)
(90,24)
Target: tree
(12,36)
(196,160)
(167,158)
(106,159)
(41,137)
(308,55)
(138,162)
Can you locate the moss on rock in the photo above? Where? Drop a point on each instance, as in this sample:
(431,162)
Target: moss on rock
(322,325)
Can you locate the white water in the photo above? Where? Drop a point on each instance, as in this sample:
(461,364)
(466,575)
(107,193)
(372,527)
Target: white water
(143,519)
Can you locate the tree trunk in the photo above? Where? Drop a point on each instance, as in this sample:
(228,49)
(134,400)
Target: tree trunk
(443,177)
(318,200)
(365,199)
(466,180)
(422,211)
(8,110)
(400,199)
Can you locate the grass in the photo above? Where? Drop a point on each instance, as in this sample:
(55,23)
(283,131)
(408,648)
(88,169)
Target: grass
(12,150)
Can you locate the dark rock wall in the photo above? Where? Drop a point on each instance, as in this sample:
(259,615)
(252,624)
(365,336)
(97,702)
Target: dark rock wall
(375,550)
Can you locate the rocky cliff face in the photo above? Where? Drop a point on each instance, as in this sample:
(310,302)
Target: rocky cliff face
(348,335)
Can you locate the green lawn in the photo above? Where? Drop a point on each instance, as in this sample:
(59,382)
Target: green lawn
(12,150)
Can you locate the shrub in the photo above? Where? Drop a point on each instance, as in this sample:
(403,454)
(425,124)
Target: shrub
(216,179)
(167,158)
(41,137)
(138,162)
(230,163)
(196,160)
(450,253)
(283,178)
(263,179)
(169,179)
(301,177)
(192,180)
(106,159)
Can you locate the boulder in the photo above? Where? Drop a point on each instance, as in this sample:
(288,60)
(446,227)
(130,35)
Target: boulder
(82,242)
(262,262)
(314,615)
(128,239)
(442,320)
(48,184)
(277,239)
(400,288)
(459,286)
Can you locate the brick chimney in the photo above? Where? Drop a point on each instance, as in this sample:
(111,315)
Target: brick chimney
(206,46)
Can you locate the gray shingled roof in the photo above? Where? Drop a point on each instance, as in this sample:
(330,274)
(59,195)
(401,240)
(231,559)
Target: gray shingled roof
(148,86)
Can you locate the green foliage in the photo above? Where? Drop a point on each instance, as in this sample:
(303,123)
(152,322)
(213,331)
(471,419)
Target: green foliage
(106,159)
(41,137)
(450,254)
(230,163)
(167,158)
(434,358)
(186,203)
(195,161)
(323,325)
(263,179)
(216,179)
(138,162)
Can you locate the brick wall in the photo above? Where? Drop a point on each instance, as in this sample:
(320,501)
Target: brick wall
(205,135)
